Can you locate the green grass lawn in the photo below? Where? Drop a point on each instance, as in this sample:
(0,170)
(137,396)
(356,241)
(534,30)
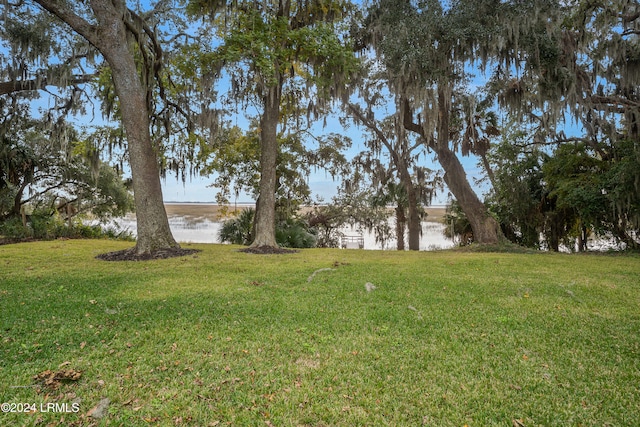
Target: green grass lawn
(227,338)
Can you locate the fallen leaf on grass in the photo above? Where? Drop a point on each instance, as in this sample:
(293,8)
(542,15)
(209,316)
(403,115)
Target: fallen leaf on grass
(518,423)
(53,379)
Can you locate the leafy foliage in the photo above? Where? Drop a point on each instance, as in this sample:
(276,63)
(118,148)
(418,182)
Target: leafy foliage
(238,231)
(518,192)
(294,233)
(457,224)
(290,232)
(234,157)
(45,184)
(357,206)
(566,195)
(47,225)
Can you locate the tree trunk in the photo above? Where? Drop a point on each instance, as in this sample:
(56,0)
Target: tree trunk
(552,232)
(415,227)
(152,223)
(401,222)
(17,203)
(265,221)
(108,33)
(485,228)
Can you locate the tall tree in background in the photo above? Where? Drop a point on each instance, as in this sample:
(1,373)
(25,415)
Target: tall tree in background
(416,185)
(428,47)
(48,173)
(121,35)
(287,59)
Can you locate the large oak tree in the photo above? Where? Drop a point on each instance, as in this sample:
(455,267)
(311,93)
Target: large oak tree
(287,59)
(428,47)
(119,34)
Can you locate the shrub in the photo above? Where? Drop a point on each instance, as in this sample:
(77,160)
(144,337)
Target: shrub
(13,228)
(238,231)
(42,225)
(294,234)
(290,233)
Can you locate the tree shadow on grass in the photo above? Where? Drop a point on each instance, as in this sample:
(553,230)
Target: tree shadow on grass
(266,250)
(131,255)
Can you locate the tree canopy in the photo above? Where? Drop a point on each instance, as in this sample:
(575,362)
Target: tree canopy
(288,59)
(543,93)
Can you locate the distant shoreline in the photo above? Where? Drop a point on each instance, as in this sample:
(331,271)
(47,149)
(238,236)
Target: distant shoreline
(215,212)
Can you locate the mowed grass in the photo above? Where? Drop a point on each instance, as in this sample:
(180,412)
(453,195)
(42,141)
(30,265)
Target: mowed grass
(228,338)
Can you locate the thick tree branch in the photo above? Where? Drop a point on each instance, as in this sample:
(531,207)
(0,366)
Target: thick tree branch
(61,9)
(408,123)
(46,190)
(356,111)
(617,102)
(40,84)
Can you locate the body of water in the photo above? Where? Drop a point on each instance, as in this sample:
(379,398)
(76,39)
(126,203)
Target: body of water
(189,226)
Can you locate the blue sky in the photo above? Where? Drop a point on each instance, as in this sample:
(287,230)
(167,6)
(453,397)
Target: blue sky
(196,189)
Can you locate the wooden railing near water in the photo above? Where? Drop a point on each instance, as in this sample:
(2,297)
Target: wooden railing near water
(352,242)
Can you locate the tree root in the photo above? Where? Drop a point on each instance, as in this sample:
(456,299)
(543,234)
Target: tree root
(265,250)
(132,255)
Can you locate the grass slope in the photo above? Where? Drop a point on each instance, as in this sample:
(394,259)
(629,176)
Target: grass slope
(228,338)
